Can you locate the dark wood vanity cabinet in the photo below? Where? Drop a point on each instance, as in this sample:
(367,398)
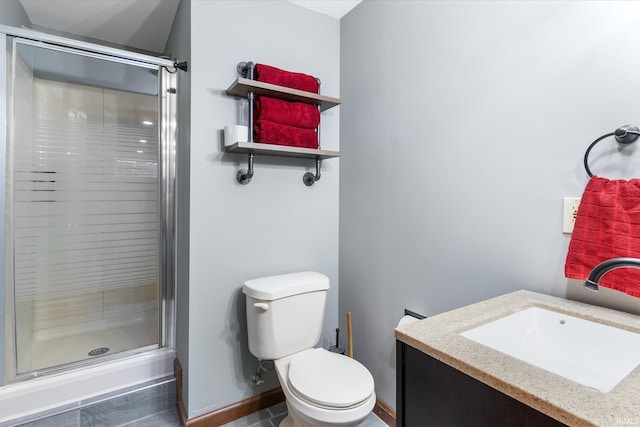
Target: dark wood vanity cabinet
(431,393)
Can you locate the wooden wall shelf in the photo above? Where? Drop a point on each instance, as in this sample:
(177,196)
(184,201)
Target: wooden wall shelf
(241,88)
(280,150)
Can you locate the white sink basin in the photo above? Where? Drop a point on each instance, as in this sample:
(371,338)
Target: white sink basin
(589,353)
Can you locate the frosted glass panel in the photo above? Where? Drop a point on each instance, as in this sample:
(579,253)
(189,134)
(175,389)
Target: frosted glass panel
(85,199)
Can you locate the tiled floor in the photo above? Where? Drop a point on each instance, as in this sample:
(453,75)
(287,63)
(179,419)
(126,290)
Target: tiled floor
(130,411)
(152,405)
(76,418)
(272,416)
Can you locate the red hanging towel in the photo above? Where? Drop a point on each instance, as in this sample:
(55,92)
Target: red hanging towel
(295,114)
(607,226)
(276,76)
(275,133)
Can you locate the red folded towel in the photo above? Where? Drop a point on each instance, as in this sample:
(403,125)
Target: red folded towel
(276,76)
(607,226)
(295,114)
(275,133)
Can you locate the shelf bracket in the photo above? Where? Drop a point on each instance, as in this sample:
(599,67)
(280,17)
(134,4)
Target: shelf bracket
(246,69)
(308,178)
(244,175)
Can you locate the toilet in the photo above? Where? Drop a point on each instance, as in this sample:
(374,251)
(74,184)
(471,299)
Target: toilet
(285,314)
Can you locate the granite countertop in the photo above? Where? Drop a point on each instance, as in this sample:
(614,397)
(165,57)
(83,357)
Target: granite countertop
(560,398)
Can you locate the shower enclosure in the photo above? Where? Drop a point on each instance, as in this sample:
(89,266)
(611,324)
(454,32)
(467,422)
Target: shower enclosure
(89,215)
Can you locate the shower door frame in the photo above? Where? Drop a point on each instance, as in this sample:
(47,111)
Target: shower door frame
(167,137)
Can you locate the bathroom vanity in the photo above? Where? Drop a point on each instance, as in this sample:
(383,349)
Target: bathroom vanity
(444,378)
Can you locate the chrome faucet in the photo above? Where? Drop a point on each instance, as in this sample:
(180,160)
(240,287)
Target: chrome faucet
(605,266)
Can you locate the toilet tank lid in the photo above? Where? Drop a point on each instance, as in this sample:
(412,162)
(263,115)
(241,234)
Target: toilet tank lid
(284,285)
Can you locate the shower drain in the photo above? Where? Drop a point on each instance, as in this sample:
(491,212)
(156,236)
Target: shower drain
(98,351)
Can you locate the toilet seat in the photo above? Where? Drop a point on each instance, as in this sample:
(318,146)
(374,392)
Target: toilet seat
(329,380)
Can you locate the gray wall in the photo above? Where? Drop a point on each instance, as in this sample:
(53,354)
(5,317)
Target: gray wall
(179,47)
(463,125)
(12,13)
(273,225)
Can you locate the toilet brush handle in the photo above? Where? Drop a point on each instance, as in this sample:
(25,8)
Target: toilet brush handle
(349,334)
(337,336)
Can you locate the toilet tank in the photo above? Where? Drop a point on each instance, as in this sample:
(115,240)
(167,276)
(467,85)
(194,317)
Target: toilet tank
(285,313)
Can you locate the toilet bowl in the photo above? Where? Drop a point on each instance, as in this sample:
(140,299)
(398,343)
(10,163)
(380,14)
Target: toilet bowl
(285,314)
(325,389)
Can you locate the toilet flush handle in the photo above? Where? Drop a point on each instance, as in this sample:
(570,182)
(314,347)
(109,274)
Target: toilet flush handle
(261,305)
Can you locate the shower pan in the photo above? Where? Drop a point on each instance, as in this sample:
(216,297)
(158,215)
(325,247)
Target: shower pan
(89,215)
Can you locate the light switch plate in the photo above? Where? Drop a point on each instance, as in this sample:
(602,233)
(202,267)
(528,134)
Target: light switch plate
(569,213)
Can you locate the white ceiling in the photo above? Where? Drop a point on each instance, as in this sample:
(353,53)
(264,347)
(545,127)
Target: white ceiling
(336,8)
(141,24)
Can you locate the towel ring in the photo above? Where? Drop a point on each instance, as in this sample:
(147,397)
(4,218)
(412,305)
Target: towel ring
(626,134)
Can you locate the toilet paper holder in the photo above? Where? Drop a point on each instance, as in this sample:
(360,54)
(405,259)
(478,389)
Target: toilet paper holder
(409,317)
(414,314)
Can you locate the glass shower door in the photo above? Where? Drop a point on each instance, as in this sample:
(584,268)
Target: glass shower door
(84,191)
